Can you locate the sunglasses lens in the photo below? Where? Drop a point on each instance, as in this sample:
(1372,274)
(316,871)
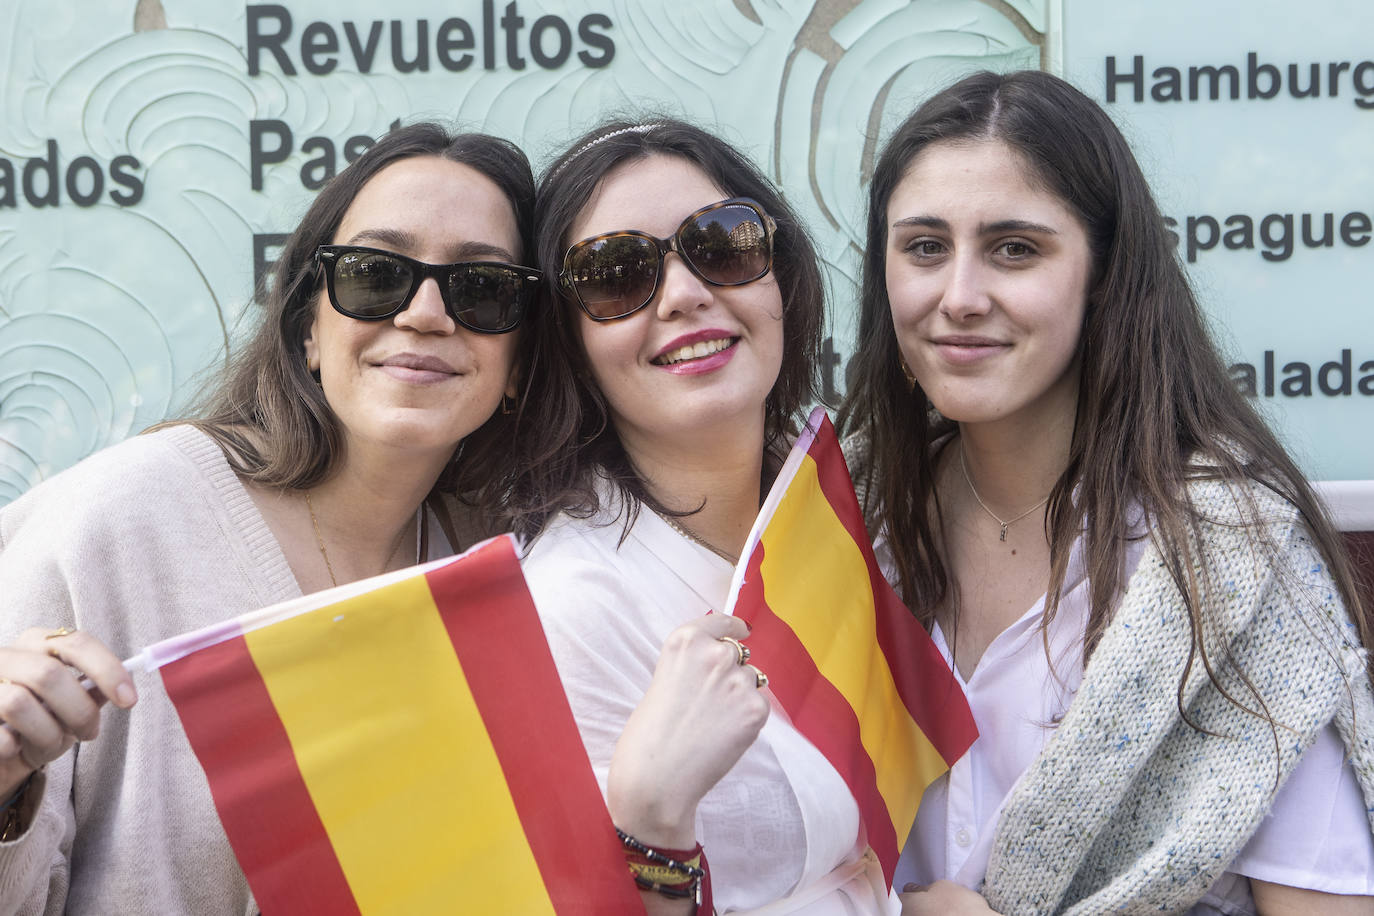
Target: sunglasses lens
(614,275)
(727,246)
(487,297)
(370,284)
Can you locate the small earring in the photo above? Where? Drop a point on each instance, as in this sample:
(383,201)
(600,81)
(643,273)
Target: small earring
(507,405)
(906,372)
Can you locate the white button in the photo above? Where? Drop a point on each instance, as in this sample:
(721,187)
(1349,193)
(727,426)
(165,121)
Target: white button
(964,837)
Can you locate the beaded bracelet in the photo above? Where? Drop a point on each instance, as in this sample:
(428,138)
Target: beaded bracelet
(672,873)
(679,893)
(672,859)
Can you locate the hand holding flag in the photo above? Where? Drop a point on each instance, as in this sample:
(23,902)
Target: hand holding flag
(399,745)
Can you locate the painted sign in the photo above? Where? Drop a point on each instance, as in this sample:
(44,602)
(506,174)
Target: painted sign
(154,153)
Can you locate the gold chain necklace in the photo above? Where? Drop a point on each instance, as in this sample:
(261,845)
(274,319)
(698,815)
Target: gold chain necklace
(696,540)
(319,539)
(974,490)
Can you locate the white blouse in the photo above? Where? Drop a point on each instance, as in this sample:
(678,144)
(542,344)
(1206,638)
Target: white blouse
(781,825)
(1315,837)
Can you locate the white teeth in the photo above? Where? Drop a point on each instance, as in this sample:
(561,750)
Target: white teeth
(694,351)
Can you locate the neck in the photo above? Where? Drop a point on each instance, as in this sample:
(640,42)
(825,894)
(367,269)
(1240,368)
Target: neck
(366,513)
(1011,470)
(721,477)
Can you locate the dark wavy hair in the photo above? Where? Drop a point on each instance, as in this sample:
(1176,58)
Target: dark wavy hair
(269,414)
(1155,404)
(565,436)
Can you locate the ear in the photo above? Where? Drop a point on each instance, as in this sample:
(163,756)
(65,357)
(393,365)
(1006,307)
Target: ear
(513,381)
(312,349)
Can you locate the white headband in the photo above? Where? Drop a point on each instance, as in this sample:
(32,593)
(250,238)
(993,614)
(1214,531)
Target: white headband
(632,129)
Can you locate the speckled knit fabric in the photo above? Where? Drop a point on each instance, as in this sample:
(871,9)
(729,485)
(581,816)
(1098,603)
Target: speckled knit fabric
(1132,810)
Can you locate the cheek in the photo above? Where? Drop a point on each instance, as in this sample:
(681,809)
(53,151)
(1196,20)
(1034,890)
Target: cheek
(611,349)
(499,352)
(908,297)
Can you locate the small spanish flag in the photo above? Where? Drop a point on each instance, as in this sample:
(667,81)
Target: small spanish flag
(846,660)
(399,745)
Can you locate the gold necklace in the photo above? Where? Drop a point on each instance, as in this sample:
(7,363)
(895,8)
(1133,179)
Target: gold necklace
(974,490)
(319,539)
(696,540)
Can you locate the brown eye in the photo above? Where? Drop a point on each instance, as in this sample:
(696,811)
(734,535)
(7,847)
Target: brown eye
(925,248)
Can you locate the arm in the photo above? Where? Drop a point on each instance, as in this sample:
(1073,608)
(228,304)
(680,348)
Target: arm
(701,712)
(43,706)
(1280,900)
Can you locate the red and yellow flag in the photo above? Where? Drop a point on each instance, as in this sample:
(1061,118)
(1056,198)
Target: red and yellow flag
(402,745)
(846,660)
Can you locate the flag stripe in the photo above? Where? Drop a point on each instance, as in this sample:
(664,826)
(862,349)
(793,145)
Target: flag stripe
(392,747)
(816,707)
(922,676)
(262,799)
(500,643)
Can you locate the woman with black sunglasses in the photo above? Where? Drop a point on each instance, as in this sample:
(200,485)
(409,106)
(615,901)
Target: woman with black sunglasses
(368,393)
(668,374)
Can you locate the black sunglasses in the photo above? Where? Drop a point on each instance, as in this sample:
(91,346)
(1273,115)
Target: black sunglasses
(489,297)
(616,274)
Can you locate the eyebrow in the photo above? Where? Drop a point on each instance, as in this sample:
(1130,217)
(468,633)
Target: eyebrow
(402,240)
(1002,225)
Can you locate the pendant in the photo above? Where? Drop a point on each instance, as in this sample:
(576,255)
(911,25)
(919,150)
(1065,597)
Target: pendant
(1003,536)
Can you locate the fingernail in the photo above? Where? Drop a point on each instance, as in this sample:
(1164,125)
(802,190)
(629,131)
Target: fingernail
(125,695)
(749,626)
(709,612)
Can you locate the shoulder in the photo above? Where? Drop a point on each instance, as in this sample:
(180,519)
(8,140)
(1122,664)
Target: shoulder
(140,473)
(1245,502)
(585,568)
(571,547)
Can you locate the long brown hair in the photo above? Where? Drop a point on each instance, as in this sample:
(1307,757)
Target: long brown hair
(565,436)
(1155,404)
(269,414)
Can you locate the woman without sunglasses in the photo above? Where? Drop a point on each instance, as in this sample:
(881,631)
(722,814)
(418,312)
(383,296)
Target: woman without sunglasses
(666,378)
(1153,620)
(370,387)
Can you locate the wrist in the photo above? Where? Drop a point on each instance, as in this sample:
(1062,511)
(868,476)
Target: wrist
(656,825)
(13,822)
(14,778)
(657,817)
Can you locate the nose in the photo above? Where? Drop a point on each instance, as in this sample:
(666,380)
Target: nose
(679,290)
(966,294)
(426,312)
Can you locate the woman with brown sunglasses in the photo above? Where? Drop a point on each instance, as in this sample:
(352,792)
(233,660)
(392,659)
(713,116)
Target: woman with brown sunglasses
(368,393)
(678,348)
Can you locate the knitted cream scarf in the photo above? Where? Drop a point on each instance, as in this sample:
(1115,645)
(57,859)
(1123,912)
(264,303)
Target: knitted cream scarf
(1129,809)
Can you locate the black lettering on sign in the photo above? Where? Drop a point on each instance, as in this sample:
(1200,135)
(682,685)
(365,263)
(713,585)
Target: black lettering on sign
(414,45)
(1260,80)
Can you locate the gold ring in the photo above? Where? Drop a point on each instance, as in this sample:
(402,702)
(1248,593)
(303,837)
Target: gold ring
(760,679)
(60,631)
(741,650)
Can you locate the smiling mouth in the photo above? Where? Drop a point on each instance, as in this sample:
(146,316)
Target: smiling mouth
(694,351)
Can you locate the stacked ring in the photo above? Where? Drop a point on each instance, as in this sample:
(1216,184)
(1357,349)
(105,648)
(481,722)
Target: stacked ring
(741,650)
(760,679)
(59,632)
